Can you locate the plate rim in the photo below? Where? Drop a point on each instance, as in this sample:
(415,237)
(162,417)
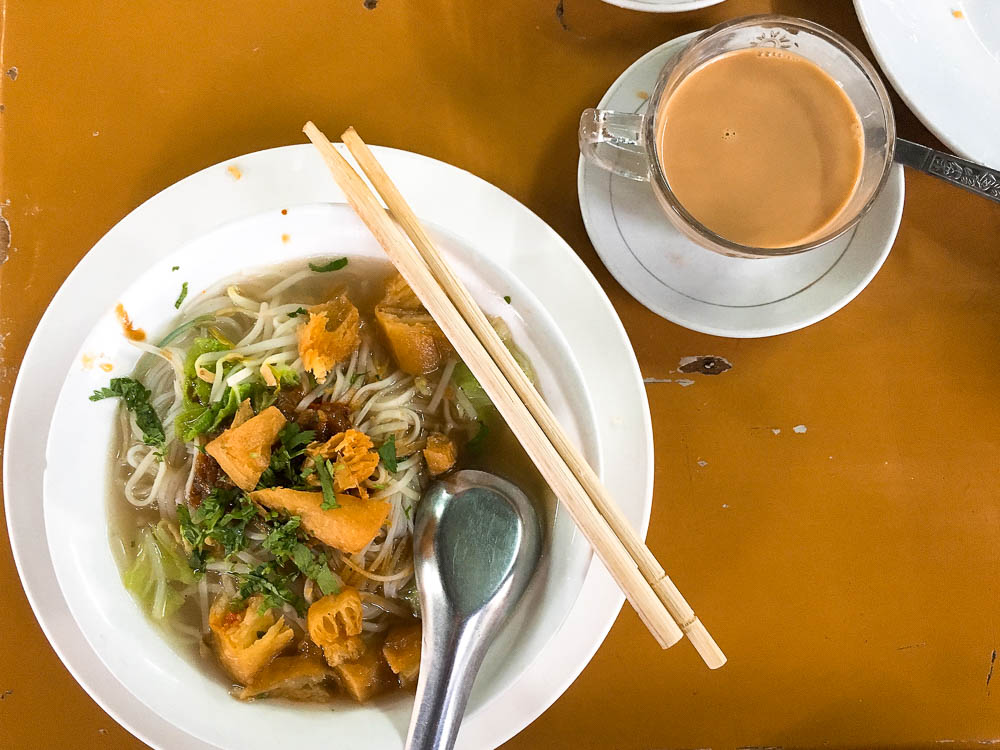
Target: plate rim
(891,69)
(895,181)
(597,581)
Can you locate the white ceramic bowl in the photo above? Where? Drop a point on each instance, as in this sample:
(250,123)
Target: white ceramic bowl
(76,491)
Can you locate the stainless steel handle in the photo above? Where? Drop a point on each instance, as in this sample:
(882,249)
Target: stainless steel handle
(448,667)
(976,178)
(476,542)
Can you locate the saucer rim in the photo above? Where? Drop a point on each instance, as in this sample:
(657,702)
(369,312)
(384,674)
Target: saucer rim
(895,182)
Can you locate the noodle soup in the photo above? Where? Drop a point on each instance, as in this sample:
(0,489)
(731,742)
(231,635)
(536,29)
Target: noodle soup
(271,450)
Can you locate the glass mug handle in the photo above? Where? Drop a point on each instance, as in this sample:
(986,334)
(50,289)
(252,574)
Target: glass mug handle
(615,141)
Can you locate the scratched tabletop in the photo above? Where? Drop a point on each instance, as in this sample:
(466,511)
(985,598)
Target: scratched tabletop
(830,504)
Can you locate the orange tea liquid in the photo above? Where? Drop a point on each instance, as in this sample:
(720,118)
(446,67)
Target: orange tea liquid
(761,146)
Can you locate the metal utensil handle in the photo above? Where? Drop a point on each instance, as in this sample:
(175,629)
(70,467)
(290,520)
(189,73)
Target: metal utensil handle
(447,671)
(974,177)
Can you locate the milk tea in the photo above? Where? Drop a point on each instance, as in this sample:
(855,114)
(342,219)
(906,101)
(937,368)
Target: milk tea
(761,146)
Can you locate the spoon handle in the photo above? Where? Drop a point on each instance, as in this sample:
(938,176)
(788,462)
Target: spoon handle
(977,178)
(448,666)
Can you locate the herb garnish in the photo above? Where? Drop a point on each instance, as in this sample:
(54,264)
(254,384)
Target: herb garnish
(136,398)
(182,295)
(283,542)
(506,298)
(275,588)
(175,268)
(333,265)
(218,523)
(280,472)
(324,470)
(387,452)
(297,313)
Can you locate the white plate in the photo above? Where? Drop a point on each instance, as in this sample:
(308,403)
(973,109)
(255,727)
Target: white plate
(705,291)
(663,6)
(473,212)
(946,67)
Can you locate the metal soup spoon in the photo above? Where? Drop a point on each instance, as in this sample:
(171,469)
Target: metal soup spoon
(476,542)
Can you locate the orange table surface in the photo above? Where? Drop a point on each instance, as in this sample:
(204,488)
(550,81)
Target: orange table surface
(850,572)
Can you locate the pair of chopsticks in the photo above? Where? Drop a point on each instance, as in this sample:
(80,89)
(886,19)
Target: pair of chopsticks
(652,594)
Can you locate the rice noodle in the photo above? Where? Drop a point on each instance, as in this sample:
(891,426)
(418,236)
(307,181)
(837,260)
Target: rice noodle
(381,402)
(442,385)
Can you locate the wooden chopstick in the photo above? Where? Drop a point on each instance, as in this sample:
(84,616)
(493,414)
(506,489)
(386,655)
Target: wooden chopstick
(672,598)
(552,467)
(653,572)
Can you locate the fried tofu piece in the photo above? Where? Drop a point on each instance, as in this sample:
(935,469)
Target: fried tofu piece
(246,641)
(354,457)
(330,336)
(303,677)
(367,676)
(399,294)
(244,451)
(402,651)
(334,624)
(440,453)
(417,342)
(243,414)
(349,527)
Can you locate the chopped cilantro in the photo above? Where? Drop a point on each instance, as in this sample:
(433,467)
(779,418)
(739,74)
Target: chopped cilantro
(182,295)
(333,265)
(136,398)
(297,313)
(280,472)
(217,525)
(314,565)
(175,268)
(506,298)
(283,542)
(282,539)
(324,470)
(275,588)
(387,452)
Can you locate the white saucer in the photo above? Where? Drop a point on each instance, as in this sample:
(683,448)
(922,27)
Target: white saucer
(663,6)
(944,60)
(705,291)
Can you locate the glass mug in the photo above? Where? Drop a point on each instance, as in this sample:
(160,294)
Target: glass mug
(625,143)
